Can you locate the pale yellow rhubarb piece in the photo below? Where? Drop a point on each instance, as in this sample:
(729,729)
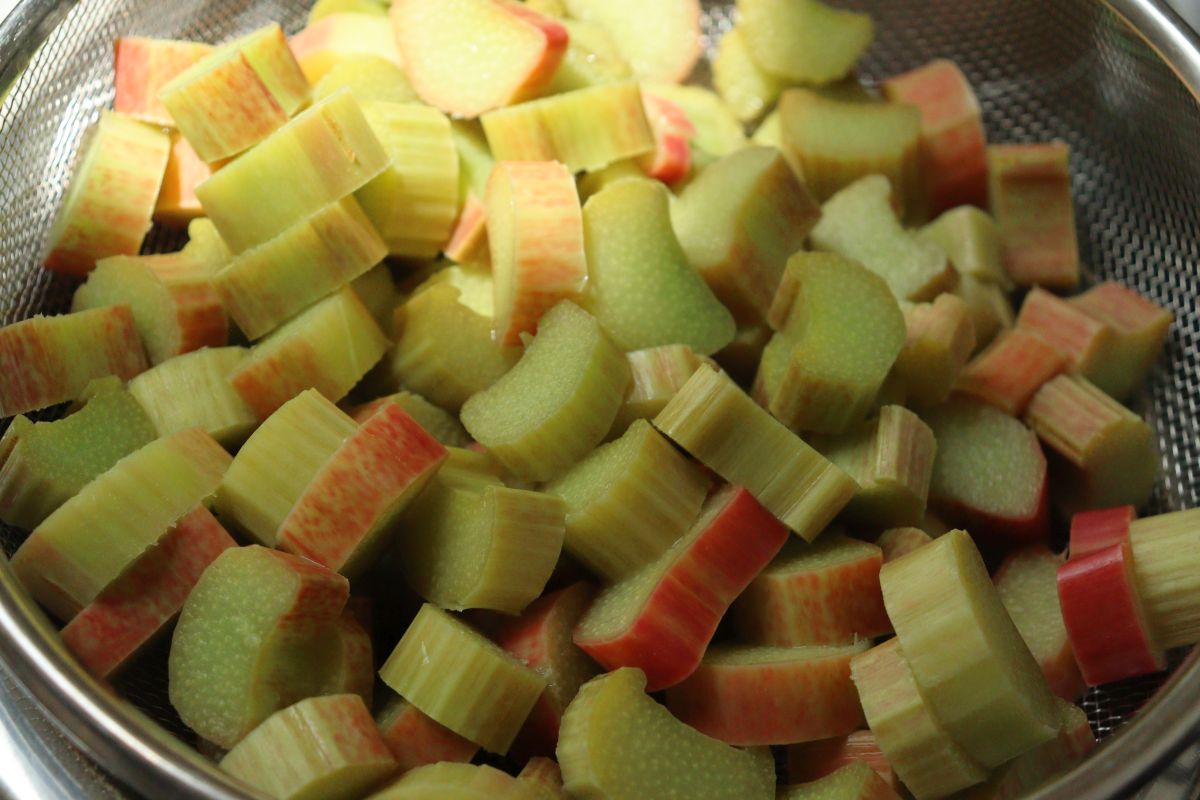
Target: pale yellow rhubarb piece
(327,8)
(629,501)
(475,160)
(617,743)
(972,243)
(805,40)
(967,657)
(463,681)
(546,775)
(370,78)
(453,781)
(658,373)
(720,425)
(91,539)
(990,309)
(557,403)
(592,59)
(855,781)
(193,391)
(1140,328)
(939,339)
(1165,564)
(661,41)
(742,83)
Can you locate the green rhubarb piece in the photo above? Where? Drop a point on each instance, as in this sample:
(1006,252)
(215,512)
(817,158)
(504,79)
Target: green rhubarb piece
(739,221)
(855,781)
(92,538)
(353,669)
(557,403)
(414,203)
(327,8)
(475,159)
(990,309)
(321,748)
(415,739)
(719,132)
(661,41)
(463,681)
(658,373)
(257,634)
(447,780)
(1165,560)
(370,78)
(193,391)
(839,332)
(628,502)
(379,294)
(271,283)
(616,743)
(441,424)
(267,51)
(1140,327)
(971,241)
(969,661)
(939,341)
(741,82)
(44,464)
(860,223)
(641,288)
(325,153)
(804,40)
(728,432)
(592,59)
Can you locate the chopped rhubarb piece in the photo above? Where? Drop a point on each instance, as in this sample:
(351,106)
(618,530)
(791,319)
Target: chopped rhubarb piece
(142,67)
(1030,196)
(468,242)
(1084,343)
(1010,371)
(749,695)
(899,542)
(1096,530)
(1027,585)
(326,8)
(1165,559)
(547,776)
(592,57)
(662,618)
(335,39)
(557,403)
(855,781)
(177,204)
(953,144)
(809,761)
(741,357)
(991,310)
(989,475)
(661,41)
(824,593)
(353,670)
(93,538)
(443,425)
(110,199)
(739,221)
(671,160)
(1105,454)
(967,657)
(1139,329)
(742,83)
(379,293)
(470,56)
(658,373)
(718,130)
(640,286)
(370,78)
(451,672)
(628,501)
(972,242)
(192,391)
(1104,616)
(617,742)
(804,40)
(839,332)
(541,638)
(724,429)
(415,739)
(458,781)
(324,747)
(254,636)
(475,159)
(144,600)
(939,338)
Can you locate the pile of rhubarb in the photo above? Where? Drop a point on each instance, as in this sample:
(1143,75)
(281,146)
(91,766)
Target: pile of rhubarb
(510,407)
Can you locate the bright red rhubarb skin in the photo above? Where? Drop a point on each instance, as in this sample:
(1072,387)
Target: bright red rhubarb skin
(1101,528)
(668,635)
(671,160)
(1104,617)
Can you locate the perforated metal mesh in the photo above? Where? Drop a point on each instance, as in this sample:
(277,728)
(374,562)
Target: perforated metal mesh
(1065,69)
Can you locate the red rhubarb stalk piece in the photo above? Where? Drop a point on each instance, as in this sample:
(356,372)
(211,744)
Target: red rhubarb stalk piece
(416,739)
(671,160)
(1100,528)
(810,761)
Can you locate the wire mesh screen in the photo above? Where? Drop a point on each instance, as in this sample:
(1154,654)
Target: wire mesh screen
(1065,69)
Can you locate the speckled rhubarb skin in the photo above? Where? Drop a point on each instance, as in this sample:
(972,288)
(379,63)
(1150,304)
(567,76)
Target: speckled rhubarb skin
(671,160)
(415,739)
(177,204)
(142,66)
(1011,370)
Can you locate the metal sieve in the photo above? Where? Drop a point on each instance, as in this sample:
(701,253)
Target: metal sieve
(1099,76)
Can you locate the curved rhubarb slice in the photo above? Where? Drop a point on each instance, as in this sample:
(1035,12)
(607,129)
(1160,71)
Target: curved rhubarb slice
(636,263)
(1096,530)
(839,331)
(110,199)
(353,670)
(1104,616)
(720,425)
(969,660)
(898,542)
(257,633)
(470,56)
(451,672)
(1086,344)
(810,761)
(535,236)
(193,391)
(1140,327)
(468,242)
(370,78)
(1028,588)
(855,781)
(617,742)
(557,403)
(746,695)
(739,221)
(541,638)
(972,242)
(927,759)
(940,337)
(742,83)
(661,42)
(142,66)
(146,598)
(824,593)
(271,283)
(658,374)
(328,347)
(415,739)
(321,747)
(1105,454)
(718,130)
(628,501)
(458,781)
(93,538)
(671,160)
(335,39)
(1165,562)
(804,40)
(441,424)
(177,204)
(45,464)
(989,475)
(662,618)
(1009,372)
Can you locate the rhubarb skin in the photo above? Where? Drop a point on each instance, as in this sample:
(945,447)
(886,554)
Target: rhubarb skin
(855,781)
(990,308)
(671,160)
(939,340)
(143,601)
(1085,343)
(415,739)
(1098,529)
(658,373)
(972,241)
(661,42)
(332,40)
(770,695)
(1140,328)
(468,243)
(591,59)
(1027,585)
(353,670)
(370,78)
(661,619)
(953,144)
(177,204)
(1164,561)
(142,67)
(441,424)
(1104,617)
(824,593)
(191,391)
(718,130)
(1010,371)
(809,761)
(1029,193)
(899,542)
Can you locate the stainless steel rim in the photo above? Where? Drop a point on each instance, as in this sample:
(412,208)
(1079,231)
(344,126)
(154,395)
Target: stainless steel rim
(137,752)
